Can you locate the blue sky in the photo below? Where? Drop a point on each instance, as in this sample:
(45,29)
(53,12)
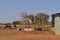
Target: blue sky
(10,10)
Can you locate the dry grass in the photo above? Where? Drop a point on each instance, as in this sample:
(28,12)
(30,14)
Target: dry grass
(10,34)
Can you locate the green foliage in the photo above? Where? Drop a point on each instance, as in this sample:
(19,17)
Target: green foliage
(41,17)
(31,17)
(16,22)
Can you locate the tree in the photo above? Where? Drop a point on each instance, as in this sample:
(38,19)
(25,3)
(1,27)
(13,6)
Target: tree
(24,16)
(16,22)
(41,18)
(31,17)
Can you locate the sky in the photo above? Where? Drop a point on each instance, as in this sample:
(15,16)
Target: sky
(10,10)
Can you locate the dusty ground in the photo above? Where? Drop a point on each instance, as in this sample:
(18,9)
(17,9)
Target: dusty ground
(8,34)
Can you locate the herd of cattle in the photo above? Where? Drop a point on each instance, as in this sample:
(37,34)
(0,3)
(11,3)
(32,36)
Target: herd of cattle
(17,27)
(21,27)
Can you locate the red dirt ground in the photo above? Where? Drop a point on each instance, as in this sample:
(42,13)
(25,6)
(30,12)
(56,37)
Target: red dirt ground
(8,34)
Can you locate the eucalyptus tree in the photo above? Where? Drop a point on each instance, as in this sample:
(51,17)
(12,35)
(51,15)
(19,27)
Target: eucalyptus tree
(41,18)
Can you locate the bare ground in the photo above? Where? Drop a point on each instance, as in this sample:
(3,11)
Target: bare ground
(9,34)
